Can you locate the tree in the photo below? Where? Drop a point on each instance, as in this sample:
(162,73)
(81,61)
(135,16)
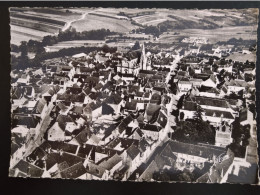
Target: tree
(186,176)
(136,46)
(191,72)
(198,114)
(108,49)
(152,30)
(180,102)
(236,132)
(23,48)
(189,131)
(14,48)
(252,109)
(181,116)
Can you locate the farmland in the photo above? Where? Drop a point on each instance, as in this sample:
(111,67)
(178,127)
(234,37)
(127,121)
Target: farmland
(242,57)
(191,18)
(214,25)
(35,23)
(214,35)
(75,43)
(94,22)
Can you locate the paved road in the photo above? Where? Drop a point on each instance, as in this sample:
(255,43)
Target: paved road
(37,139)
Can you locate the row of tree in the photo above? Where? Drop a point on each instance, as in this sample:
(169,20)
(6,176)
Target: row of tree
(37,47)
(23,62)
(68,35)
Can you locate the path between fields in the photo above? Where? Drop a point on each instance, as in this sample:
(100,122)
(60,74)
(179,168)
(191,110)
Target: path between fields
(68,24)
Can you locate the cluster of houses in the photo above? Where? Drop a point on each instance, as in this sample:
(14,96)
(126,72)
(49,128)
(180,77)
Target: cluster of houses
(104,121)
(103,115)
(202,47)
(201,85)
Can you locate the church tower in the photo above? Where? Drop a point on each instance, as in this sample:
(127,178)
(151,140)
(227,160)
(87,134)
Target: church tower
(143,60)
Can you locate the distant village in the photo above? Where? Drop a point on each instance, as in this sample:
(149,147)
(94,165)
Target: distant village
(186,114)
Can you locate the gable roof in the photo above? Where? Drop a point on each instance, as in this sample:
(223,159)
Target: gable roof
(220,169)
(28,121)
(16,92)
(63,119)
(148,173)
(204,151)
(39,106)
(113,99)
(151,110)
(29,169)
(131,105)
(111,162)
(216,102)
(218,113)
(95,170)
(189,105)
(74,171)
(149,127)
(133,151)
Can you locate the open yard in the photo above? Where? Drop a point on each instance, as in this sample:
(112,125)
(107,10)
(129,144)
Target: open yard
(242,57)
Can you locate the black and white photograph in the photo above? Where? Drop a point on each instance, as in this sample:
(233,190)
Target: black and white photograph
(134,94)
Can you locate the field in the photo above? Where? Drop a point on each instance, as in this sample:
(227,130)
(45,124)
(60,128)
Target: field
(215,25)
(243,57)
(94,22)
(187,19)
(214,35)
(75,43)
(88,43)
(35,23)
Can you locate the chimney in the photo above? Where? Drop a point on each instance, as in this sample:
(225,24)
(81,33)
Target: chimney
(137,176)
(61,152)
(44,165)
(28,170)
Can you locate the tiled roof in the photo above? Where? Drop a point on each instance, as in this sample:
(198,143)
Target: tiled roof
(113,99)
(95,170)
(189,105)
(148,173)
(111,162)
(131,105)
(53,158)
(195,150)
(16,92)
(217,113)
(220,169)
(151,110)
(83,136)
(237,83)
(28,121)
(216,102)
(74,171)
(63,119)
(29,169)
(133,151)
(148,127)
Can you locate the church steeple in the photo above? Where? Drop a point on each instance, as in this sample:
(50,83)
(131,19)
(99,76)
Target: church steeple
(143,61)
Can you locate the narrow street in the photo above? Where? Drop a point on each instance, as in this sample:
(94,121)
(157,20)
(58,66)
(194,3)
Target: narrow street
(36,139)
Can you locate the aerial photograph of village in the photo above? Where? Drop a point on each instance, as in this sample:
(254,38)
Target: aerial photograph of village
(139,95)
